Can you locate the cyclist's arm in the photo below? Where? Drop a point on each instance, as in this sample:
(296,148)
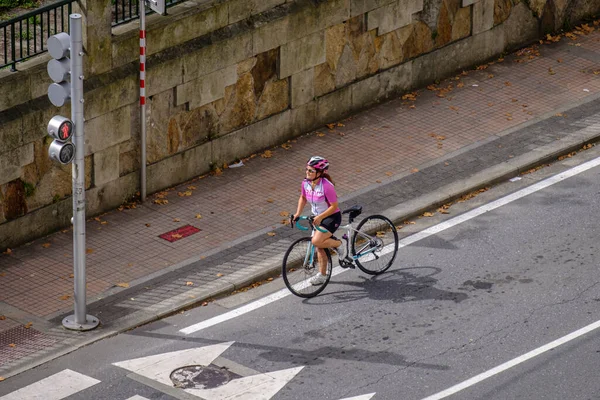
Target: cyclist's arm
(301,204)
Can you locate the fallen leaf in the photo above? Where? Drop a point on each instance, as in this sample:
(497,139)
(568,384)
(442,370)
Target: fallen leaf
(271,234)
(46,245)
(204,304)
(389,173)
(65,297)
(460,84)
(2,317)
(270,200)
(340,124)
(71,275)
(198,216)
(320,134)
(490,76)
(330,126)
(161,201)
(409,222)
(507,83)
(89,251)
(28,325)
(103,222)
(122,284)
(176,236)
(219,275)
(176,220)
(130,265)
(1,378)
(286,146)
(551,71)
(267,154)
(284,214)
(184,194)
(148,225)
(7,251)
(428,214)
(378,181)
(189,284)
(559,60)
(414,170)
(12,345)
(191,187)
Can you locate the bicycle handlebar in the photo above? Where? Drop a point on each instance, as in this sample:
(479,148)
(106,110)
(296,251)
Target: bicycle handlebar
(310,222)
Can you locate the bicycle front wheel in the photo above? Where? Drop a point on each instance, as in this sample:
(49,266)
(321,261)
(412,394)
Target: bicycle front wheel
(375,244)
(300,265)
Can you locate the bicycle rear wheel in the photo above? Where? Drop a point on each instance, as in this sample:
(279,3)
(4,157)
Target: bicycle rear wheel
(300,264)
(375,242)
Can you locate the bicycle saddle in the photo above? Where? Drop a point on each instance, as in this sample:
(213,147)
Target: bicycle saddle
(354,212)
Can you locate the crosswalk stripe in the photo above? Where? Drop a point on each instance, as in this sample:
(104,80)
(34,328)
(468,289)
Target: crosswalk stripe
(55,387)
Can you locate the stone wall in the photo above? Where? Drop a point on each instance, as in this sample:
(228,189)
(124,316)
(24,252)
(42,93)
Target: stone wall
(227,78)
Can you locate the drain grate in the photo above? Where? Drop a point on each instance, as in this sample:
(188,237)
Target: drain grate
(19,342)
(201,377)
(179,233)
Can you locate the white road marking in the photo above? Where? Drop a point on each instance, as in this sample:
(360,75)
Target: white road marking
(514,362)
(160,366)
(55,387)
(362,397)
(255,387)
(406,241)
(137,397)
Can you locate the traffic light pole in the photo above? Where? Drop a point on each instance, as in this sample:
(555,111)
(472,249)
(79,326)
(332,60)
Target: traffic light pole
(80,320)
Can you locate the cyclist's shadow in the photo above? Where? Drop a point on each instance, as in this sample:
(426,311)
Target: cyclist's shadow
(400,285)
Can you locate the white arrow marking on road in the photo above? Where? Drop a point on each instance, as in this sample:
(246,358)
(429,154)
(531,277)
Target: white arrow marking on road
(256,387)
(363,397)
(159,367)
(55,387)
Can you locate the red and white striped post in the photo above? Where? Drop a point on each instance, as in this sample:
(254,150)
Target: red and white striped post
(143,99)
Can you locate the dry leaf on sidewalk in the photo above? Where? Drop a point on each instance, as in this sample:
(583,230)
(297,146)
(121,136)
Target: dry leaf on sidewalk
(191,187)
(176,220)
(184,194)
(89,251)
(271,234)
(267,154)
(28,325)
(189,283)
(46,245)
(12,345)
(1,378)
(198,216)
(7,252)
(428,214)
(284,214)
(219,275)
(122,284)
(270,200)
(2,317)
(65,297)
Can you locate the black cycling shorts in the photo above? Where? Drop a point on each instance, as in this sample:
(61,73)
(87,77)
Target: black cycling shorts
(332,222)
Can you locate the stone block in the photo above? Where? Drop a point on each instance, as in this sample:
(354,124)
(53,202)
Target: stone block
(207,88)
(112,194)
(18,85)
(303,87)
(520,27)
(366,92)
(163,76)
(358,7)
(11,132)
(393,16)
(242,9)
(270,36)
(304,118)
(334,106)
(108,130)
(483,16)
(106,165)
(217,56)
(12,162)
(301,54)
(252,138)
(397,80)
(112,95)
(179,168)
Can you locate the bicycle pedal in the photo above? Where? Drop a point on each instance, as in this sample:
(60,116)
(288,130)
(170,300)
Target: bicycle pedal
(347,264)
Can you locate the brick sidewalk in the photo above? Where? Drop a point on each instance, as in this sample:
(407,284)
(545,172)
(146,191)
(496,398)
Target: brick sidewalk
(366,152)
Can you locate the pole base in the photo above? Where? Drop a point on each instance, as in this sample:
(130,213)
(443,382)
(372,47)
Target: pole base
(91,322)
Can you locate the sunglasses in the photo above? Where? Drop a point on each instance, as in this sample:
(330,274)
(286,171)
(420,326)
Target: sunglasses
(310,171)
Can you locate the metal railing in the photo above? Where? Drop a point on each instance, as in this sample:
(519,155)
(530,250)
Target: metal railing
(25,36)
(128,10)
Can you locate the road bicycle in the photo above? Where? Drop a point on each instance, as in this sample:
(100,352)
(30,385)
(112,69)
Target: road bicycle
(373,248)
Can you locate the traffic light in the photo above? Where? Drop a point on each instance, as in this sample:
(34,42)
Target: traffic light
(59,68)
(61,149)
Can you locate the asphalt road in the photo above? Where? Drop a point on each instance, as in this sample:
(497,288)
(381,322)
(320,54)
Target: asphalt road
(455,305)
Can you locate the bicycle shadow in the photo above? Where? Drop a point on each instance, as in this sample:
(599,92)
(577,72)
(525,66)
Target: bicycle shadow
(398,286)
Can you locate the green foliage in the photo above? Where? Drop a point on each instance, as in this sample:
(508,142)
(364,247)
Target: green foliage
(29,188)
(6,4)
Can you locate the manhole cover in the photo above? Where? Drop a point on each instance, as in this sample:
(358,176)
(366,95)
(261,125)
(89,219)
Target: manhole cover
(202,377)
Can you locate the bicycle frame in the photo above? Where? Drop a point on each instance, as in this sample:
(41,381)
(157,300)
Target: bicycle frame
(359,252)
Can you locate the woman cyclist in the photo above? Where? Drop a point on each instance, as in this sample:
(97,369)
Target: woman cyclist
(318,190)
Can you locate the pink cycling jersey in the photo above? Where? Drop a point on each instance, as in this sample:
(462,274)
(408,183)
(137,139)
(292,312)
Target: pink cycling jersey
(321,197)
